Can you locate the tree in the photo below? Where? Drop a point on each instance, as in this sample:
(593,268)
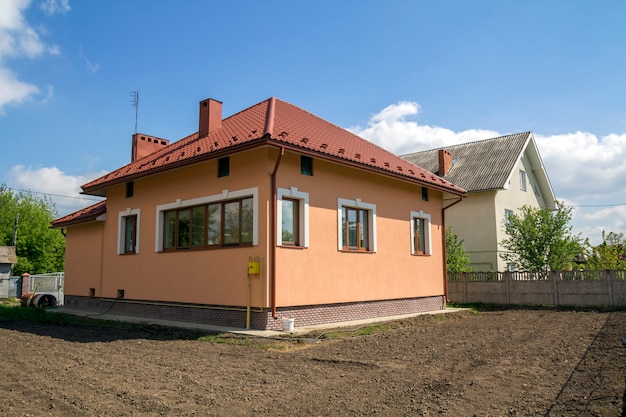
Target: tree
(39,248)
(610,254)
(457,260)
(540,239)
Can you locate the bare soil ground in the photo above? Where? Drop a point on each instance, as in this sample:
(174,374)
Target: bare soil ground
(515,362)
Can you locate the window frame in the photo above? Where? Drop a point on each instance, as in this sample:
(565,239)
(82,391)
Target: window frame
(226,196)
(522,180)
(507,216)
(303,216)
(426,218)
(123,216)
(357,204)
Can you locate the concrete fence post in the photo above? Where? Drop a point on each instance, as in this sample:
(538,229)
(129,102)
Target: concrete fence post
(609,276)
(556,277)
(464,274)
(507,278)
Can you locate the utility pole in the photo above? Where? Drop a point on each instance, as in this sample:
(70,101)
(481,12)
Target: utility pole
(17,219)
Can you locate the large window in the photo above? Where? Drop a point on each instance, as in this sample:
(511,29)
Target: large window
(420,233)
(222,220)
(292,217)
(228,223)
(128,232)
(357,226)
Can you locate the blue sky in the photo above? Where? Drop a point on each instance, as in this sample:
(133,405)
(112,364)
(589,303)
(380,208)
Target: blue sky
(408,75)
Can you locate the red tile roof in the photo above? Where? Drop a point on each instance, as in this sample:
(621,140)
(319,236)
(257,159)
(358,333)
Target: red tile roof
(81,216)
(278,123)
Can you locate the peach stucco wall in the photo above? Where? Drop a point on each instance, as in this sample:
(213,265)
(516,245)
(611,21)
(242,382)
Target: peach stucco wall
(323,274)
(317,274)
(83,251)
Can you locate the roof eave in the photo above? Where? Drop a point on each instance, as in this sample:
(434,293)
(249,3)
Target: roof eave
(365,167)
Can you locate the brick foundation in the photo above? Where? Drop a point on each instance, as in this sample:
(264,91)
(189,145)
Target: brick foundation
(233,316)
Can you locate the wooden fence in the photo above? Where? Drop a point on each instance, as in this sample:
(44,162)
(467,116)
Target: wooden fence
(605,288)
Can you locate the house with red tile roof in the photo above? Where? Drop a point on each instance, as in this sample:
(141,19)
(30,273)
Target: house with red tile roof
(272,213)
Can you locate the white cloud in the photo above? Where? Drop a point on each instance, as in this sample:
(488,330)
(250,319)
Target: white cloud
(13,90)
(61,188)
(391,130)
(93,68)
(51,7)
(584,169)
(19,39)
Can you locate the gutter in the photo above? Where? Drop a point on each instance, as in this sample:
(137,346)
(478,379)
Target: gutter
(273,227)
(445,257)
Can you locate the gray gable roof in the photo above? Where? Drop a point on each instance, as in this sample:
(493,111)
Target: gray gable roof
(478,166)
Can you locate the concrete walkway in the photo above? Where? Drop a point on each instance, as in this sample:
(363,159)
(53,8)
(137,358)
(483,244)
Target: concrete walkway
(242,331)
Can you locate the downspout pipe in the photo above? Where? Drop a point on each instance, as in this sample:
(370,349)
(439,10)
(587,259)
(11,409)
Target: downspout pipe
(273,228)
(445,249)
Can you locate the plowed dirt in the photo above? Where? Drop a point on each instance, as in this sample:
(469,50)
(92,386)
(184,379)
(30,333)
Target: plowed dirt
(512,362)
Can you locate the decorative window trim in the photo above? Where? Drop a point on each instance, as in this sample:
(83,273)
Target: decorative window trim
(216,198)
(427,237)
(121,229)
(303,226)
(371,214)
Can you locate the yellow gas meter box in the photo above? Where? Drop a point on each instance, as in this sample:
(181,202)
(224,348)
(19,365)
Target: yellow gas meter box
(254,268)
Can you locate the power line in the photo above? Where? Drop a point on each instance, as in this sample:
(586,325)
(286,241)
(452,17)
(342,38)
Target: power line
(53,195)
(601,205)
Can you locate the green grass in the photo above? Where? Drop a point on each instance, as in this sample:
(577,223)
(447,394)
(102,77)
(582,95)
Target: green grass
(360,331)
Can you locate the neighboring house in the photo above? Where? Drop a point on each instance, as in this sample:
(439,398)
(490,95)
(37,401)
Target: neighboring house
(500,175)
(7,260)
(269,214)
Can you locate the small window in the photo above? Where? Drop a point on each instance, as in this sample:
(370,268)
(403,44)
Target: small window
(290,222)
(424,194)
(522,180)
(128,232)
(130,189)
(306,165)
(357,226)
(507,216)
(292,218)
(420,233)
(223,167)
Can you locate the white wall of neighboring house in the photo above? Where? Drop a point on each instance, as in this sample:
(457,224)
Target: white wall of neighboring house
(513,199)
(478,230)
(482,230)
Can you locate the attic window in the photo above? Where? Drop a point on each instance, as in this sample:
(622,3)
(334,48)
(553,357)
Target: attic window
(130,189)
(223,167)
(424,194)
(306,165)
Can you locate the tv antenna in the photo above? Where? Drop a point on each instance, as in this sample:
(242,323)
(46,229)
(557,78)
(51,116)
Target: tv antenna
(134,100)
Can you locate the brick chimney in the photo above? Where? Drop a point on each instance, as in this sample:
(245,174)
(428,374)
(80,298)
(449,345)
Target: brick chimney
(210,117)
(145,145)
(445,162)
